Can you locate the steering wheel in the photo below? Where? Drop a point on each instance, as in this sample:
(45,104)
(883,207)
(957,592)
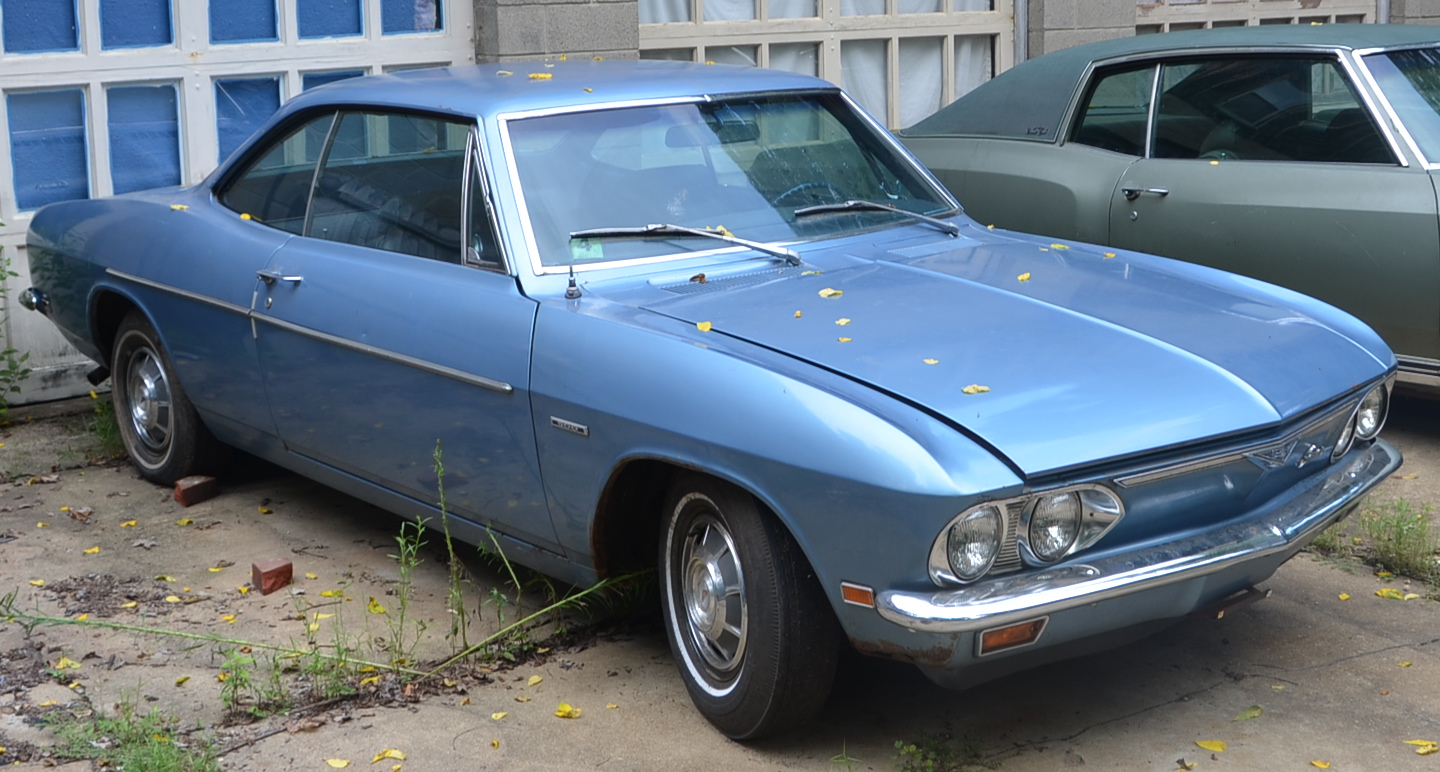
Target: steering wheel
(811,189)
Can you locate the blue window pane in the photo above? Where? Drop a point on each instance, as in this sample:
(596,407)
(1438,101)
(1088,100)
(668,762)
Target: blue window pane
(134,23)
(329,18)
(317,79)
(40,25)
(399,16)
(243,21)
(144,137)
(47,147)
(241,106)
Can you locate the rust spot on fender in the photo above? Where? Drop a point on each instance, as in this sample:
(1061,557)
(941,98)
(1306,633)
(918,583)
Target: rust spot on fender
(935,656)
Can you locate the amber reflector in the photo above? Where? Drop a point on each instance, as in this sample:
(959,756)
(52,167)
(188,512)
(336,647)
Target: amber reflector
(857,594)
(1003,638)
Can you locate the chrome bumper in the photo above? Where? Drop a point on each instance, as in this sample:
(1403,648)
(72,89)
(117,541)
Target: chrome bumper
(1282,533)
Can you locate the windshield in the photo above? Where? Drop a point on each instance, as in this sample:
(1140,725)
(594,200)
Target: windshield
(742,165)
(1410,81)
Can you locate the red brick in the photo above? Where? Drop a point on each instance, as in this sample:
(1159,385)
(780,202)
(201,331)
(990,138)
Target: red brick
(195,489)
(267,576)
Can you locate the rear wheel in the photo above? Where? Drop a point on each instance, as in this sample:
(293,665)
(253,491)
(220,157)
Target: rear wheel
(751,631)
(162,433)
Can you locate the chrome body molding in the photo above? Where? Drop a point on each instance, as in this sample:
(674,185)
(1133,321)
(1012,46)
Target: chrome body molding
(1284,530)
(188,295)
(1417,371)
(420,364)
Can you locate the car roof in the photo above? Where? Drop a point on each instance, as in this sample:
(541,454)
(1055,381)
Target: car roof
(493,89)
(1029,100)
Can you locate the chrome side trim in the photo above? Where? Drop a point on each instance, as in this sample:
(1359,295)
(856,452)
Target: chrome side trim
(408,361)
(1418,371)
(187,294)
(1283,531)
(1384,99)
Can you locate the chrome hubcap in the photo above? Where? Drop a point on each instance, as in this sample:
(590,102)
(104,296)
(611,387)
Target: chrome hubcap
(148,395)
(713,593)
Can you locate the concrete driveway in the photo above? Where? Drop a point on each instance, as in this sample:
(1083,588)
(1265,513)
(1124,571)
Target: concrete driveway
(1343,682)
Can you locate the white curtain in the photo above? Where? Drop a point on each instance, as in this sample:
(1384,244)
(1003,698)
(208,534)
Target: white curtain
(973,63)
(864,73)
(729,10)
(922,61)
(792,9)
(795,57)
(664,11)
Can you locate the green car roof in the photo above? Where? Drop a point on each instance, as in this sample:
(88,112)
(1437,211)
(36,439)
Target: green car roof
(1029,101)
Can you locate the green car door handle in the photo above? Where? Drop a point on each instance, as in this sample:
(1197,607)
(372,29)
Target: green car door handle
(1133,193)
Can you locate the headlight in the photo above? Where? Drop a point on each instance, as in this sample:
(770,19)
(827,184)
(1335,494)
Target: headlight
(973,542)
(1054,525)
(1370,416)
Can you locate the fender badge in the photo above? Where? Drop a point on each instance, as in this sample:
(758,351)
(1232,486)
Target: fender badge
(570,426)
(1272,456)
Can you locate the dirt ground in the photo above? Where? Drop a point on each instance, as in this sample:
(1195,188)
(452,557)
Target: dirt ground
(1345,682)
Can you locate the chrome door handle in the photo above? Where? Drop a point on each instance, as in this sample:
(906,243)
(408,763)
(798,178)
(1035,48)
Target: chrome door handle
(1133,193)
(270,277)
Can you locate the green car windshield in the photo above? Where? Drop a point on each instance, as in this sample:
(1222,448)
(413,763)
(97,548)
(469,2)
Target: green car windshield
(1410,80)
(740,166)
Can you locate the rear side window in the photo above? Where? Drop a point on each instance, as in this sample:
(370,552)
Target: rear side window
(1116,112)
(275,188)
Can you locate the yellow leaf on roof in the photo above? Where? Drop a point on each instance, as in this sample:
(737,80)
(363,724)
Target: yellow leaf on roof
(811,273)
(1214,746)
(1024,276)
(931,361)
(566,710)
(975,388)
(797,314)
(178,207)
(844,340)
(704,326)
(1059,246)
(831,293)
(1108,255)
(842,321)
(540,76)
(388,753)
(503,73)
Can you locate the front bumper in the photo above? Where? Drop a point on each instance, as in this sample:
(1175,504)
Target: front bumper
(1261,544)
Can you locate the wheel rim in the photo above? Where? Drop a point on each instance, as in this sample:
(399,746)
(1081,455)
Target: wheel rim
(713,594)
(148,400)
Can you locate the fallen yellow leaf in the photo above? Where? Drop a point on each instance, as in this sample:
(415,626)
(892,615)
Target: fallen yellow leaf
(172,598)
(1253,711)
(704,326)
(975,388)
(611,706)
(181,680)
(309,575)
(319,615)
(228,619)
(1344,596)
(499,714)
(1391,593)
(266,511)
(42,524)
(65,663)
(1214,746)
(129,524)
(1024,276)
(388,753)
(831,293)
(37,582)
(131,604)
(1320,764)
(243,590)
(370,680)
(465,702)
(82,617)
(164,578)
(495,744)
(184,521)
(337,763)
(566,710)
(215,569)
(375,607)
(1410,596)
(1406,664)
(314,627)
(522,698)
(331,593)
(93,551)
(534,679)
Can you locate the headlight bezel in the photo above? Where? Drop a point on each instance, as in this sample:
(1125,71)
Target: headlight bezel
(1100,509)
(1356,427)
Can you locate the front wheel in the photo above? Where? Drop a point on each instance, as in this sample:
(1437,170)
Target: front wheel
(753,636)
(163,435)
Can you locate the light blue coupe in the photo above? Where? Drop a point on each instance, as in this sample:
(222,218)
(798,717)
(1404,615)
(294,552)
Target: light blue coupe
(717,319)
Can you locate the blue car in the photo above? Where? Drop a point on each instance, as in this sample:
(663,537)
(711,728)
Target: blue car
(718,321)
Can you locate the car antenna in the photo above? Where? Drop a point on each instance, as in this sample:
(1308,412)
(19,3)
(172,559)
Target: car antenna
(572,292)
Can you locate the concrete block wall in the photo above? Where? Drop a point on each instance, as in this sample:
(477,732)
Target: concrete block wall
(508,30)
(1415,11)
(1056,24)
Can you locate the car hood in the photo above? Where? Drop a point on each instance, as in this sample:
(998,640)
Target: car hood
(1087,354)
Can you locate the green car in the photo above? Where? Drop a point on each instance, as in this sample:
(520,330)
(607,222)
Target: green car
(1302,156)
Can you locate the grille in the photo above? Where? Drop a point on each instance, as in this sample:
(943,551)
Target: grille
(1009,558)
(736,280)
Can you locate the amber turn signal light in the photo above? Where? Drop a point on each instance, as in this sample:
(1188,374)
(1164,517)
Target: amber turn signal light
(1002,638)
(857,594)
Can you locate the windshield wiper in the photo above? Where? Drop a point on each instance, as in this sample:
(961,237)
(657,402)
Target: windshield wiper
(856,205)
(657,230)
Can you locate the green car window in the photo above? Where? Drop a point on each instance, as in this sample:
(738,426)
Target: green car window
(1271,108)
(1117,111)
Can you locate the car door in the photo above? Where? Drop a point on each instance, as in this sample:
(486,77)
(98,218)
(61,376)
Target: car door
(382,339)
(1272,167)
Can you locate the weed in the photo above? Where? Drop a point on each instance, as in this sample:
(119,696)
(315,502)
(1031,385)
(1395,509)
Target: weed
(938,753)
(459,634)
(1401,539)
(403,639)
(1332,542)
(843,760)
(130,740)
(103,426)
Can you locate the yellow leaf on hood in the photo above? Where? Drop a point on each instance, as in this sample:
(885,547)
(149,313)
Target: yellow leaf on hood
(1108,255)
(842,321)
(1059,246)
(388,753)
(1214,746)
(831,293)
(931,361)
(844,340)
(1024,276)
(540,76)
(975,388)
(704,326)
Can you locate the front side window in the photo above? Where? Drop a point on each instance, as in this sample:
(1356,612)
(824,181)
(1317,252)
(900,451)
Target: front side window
(744,165)
(1277,108)
(384,181)
(1116,113)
